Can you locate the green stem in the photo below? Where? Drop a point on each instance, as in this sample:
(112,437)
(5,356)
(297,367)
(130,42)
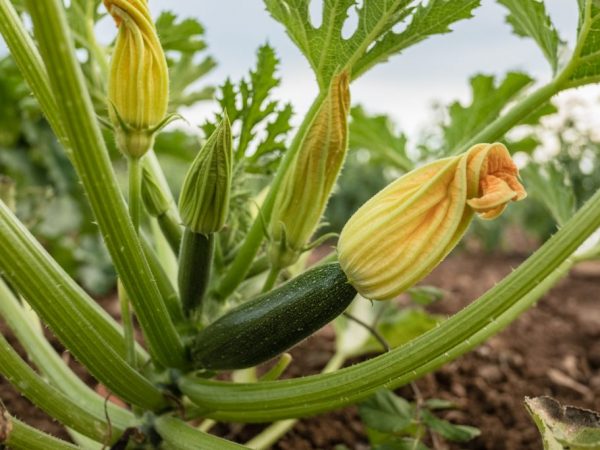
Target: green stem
(178,435)
(170,225)
(127,321)
(134,204)
(466,329)
(271,279)
(135,191)
(25,437)
(195,263)
(50,399)
(277,430)
(91,161)
(243,260)
(81,325)
(52,366)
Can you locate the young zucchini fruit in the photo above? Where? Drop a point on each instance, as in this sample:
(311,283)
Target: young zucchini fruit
(266,326)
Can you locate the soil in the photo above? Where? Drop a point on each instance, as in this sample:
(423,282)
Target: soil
(552,349)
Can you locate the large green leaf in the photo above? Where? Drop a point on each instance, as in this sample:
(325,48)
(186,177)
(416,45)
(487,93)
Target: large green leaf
(375,133)
(488,100)
(587,57)
(528,18)
(373,41)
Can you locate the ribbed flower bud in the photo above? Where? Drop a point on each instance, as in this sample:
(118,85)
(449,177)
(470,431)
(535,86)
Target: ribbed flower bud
(138,85)
(303,196)
(204,200)
(399,235)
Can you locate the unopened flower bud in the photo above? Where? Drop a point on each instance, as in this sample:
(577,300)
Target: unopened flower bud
(397,237)
(204,200)
(303,196)
(138,85)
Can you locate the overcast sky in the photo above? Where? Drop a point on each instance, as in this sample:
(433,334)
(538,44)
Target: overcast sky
(437,69)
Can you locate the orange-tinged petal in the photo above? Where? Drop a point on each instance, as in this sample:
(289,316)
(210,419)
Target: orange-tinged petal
(404,231)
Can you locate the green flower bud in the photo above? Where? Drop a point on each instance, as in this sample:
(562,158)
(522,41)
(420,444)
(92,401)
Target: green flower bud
(138,84)
(154,199)
(204,200)
(303,196)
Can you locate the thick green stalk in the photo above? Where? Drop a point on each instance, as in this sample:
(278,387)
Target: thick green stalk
(51,365)
(91,161)
(245,255)
(81,325)
(25,437)
(270,435)
(170,225)
(167,291)
(50,399)
(135,210)
(471,326)
(178,435)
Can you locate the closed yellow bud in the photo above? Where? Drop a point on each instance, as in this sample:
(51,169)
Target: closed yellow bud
(138,85)
(399,235)
(303,196)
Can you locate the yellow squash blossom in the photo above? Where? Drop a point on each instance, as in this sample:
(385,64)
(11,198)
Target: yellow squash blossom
(138,85)
(398,236)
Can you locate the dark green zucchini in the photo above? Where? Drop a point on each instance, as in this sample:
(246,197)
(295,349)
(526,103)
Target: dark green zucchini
(266,326)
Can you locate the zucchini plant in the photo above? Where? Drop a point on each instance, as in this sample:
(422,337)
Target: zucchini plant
(216,281)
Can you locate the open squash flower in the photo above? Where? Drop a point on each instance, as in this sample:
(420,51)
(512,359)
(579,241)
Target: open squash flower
(403,232)
(138,84)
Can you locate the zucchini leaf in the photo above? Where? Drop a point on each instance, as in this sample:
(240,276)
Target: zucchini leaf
(183,42)
(329,51)
(260,124)
(528,18)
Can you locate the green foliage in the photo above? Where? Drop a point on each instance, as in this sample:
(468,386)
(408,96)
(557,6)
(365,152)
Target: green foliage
(251,109)
(488,100)
(49,197)
(375,133)
(587,67)
(550,184)
(183,43)
(373,41)
(528,18)
(394,423)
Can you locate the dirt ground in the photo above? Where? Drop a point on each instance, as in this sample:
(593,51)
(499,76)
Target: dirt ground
(553,349)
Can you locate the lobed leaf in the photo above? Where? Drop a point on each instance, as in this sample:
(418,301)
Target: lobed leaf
(528,18)
(373,41)
(587,58)
(183,43)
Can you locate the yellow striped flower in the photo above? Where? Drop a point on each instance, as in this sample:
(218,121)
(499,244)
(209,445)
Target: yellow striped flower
(403,232)
(138,85)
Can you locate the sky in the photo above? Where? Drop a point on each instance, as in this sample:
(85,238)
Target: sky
(436,70)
